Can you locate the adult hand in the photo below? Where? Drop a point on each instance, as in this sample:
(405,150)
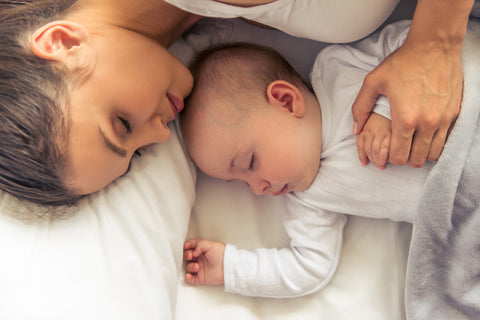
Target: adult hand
(423,83)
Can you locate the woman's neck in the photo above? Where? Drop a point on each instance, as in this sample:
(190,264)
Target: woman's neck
(154,18)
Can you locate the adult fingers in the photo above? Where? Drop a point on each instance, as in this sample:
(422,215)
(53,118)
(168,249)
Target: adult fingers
(401,141)
(364,102)
(421,143)
(429,138)
(437,144)
(440,136)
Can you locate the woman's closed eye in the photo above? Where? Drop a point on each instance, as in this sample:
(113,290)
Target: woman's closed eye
(126,129)
(126,125)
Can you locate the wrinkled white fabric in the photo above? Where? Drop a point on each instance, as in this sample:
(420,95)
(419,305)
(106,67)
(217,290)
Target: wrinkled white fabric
(334,21)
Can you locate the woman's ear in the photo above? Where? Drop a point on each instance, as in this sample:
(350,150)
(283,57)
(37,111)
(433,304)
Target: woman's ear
(283,94)
(62,41)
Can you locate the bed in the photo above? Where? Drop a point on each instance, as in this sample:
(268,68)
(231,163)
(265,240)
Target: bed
(120,255)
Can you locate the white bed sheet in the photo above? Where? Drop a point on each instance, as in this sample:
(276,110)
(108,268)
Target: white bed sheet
(118,258)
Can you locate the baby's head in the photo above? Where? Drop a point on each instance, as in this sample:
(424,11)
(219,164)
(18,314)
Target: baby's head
(250,117)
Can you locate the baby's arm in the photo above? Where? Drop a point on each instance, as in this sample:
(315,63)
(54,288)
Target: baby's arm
(305,267)
(373,143)
(204,261)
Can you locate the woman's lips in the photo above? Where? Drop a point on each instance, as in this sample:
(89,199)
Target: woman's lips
(176,103)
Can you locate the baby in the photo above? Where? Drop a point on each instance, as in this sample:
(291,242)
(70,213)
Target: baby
(251,118)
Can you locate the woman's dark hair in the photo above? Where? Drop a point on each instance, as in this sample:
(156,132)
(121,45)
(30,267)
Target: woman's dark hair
(33,108)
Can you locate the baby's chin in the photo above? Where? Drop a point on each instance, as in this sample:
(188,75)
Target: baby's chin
(307,182)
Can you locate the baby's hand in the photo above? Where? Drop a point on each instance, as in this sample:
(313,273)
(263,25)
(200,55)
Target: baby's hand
(204,261)
(373,143)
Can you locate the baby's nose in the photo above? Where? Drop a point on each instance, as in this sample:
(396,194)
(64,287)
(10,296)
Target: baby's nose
(258,187)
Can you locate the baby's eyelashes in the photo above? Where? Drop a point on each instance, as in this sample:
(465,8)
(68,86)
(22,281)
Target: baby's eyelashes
(252,165)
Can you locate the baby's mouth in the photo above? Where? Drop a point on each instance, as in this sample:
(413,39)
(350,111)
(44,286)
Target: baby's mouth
(283,191)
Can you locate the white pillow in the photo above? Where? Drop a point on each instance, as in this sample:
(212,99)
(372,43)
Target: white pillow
(119,257)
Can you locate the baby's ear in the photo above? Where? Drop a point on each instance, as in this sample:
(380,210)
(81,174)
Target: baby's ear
(283,94)
(63,41)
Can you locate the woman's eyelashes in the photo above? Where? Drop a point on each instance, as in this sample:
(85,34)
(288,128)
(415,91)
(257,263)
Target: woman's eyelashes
(126,124)
(123,127)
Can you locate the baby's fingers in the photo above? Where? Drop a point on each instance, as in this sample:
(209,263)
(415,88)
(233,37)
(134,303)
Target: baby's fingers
(381,151)
(190,250)
(192,278)
(362,155)
(197,247)
(191,244)
(188,255)
(192,267)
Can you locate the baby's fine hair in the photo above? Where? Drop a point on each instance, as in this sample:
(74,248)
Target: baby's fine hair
(33,113)
(240,70)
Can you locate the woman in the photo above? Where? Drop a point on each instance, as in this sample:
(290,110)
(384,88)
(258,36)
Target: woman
(84,85)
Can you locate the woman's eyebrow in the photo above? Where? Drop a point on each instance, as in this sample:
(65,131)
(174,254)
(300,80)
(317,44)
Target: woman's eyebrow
(111,146)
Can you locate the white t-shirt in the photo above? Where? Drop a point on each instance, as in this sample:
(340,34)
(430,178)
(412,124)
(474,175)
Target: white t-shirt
(334,21)
(316,217)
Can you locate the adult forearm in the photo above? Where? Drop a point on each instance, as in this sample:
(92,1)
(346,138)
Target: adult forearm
(441,21)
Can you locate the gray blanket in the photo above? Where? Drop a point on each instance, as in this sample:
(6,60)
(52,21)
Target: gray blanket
(443,271)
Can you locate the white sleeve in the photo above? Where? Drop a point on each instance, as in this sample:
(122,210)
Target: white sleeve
(382,107)
(306,267)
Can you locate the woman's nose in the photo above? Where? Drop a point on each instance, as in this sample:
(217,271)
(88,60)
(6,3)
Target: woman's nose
(156,131)
(153,131)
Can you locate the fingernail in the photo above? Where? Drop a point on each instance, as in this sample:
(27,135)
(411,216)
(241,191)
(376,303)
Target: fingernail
(355,128)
